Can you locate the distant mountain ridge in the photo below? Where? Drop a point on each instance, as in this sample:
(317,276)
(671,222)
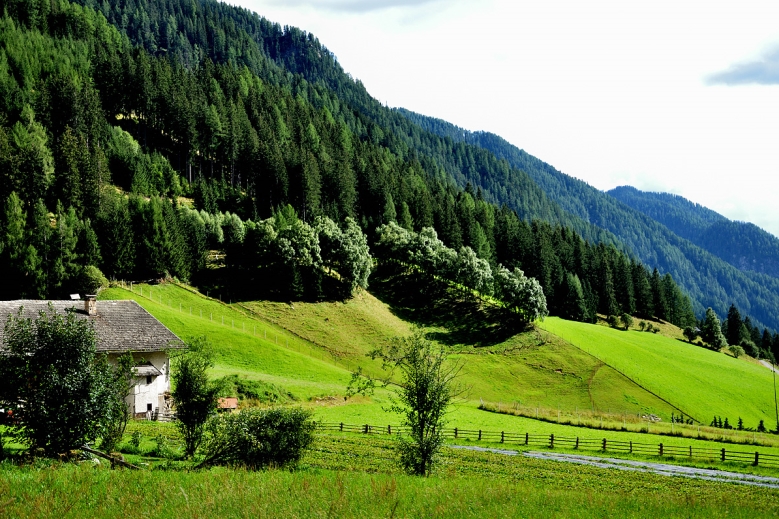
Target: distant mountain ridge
(742,244)
(712,278)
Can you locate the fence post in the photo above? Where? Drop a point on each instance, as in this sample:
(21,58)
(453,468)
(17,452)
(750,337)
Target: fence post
(631,447)
(455,433)
(389,429)
(551,441)
(690,451)
(366,429)
(757,458)
(527,438)
(577,443)
(722,456)
(604,444)
(661,449)
(479,434)
(342,427)
(502,437)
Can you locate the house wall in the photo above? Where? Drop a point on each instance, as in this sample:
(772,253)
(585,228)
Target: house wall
(143,393)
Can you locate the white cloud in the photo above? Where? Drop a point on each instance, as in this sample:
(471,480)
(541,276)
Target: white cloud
(764,71)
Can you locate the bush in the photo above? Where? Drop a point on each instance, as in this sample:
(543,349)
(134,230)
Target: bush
(54,383)
(255,390)
(737,351)
(750,348)
(258,438)
(91,280)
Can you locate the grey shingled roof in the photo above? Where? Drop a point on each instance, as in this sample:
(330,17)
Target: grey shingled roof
(120,325)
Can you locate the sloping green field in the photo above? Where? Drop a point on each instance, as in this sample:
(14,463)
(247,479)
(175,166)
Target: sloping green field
(309,349)
(244,346)
(701,382)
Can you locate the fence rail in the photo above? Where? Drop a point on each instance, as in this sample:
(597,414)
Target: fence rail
(551,441)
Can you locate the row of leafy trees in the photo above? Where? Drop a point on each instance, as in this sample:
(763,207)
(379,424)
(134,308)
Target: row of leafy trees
(521,295)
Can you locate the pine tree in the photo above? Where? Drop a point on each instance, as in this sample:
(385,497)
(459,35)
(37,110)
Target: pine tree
(734,323)
(658,296)
(711,331)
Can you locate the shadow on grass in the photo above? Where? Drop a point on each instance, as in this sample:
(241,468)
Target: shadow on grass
(461,320)
(242,285)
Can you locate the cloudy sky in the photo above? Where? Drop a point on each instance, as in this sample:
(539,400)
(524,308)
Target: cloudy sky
(674,96)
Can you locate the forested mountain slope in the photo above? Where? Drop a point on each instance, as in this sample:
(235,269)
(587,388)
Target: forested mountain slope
(99,140)
(296,61)
(742,244)
(709,280)
(204,99)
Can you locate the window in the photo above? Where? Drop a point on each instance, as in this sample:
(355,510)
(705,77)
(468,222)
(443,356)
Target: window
(148,380)
(148,407)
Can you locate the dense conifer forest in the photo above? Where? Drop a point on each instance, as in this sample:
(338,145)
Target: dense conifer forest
(135,137)
(711,269)
(742,244)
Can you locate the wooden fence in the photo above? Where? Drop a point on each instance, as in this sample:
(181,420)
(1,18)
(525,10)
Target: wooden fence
(552,441)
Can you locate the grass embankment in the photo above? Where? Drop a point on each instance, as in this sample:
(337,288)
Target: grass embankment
(350,476)
(532,368)
(248,347)
(309,349)
(701,382)
(275,342)
(604,421)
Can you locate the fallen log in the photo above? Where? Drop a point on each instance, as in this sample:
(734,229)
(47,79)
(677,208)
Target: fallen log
(112,459)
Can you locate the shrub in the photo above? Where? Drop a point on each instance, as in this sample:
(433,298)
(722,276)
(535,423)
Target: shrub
(737,351)
(91,280)
(195,396)
(258,438)
(750,348)
(56,385)
(627,320)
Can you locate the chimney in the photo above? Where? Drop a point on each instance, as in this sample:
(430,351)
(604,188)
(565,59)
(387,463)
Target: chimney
(90,304)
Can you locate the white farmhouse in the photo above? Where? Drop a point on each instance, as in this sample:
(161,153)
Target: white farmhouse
(120,326)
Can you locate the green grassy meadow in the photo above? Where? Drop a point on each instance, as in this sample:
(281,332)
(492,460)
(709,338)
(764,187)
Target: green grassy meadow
(355,476)
(309,349)
(243,345)
(701,382)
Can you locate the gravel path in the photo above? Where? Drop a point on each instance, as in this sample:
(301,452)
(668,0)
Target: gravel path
(662,469)
(769,365)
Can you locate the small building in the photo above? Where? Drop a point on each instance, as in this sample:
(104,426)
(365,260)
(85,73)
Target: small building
(227,404)
(120,326)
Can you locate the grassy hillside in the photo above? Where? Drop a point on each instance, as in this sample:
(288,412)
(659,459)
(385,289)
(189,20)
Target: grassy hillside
(308,349)
(248,347)
(701,382)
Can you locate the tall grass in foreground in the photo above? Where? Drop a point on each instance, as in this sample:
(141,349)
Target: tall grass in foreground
(348,478)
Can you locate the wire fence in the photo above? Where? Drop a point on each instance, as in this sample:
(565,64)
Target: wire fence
(552,441)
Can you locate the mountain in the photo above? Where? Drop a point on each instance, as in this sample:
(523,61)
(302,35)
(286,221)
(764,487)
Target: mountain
(744,245)
(711,280)
(256,115)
